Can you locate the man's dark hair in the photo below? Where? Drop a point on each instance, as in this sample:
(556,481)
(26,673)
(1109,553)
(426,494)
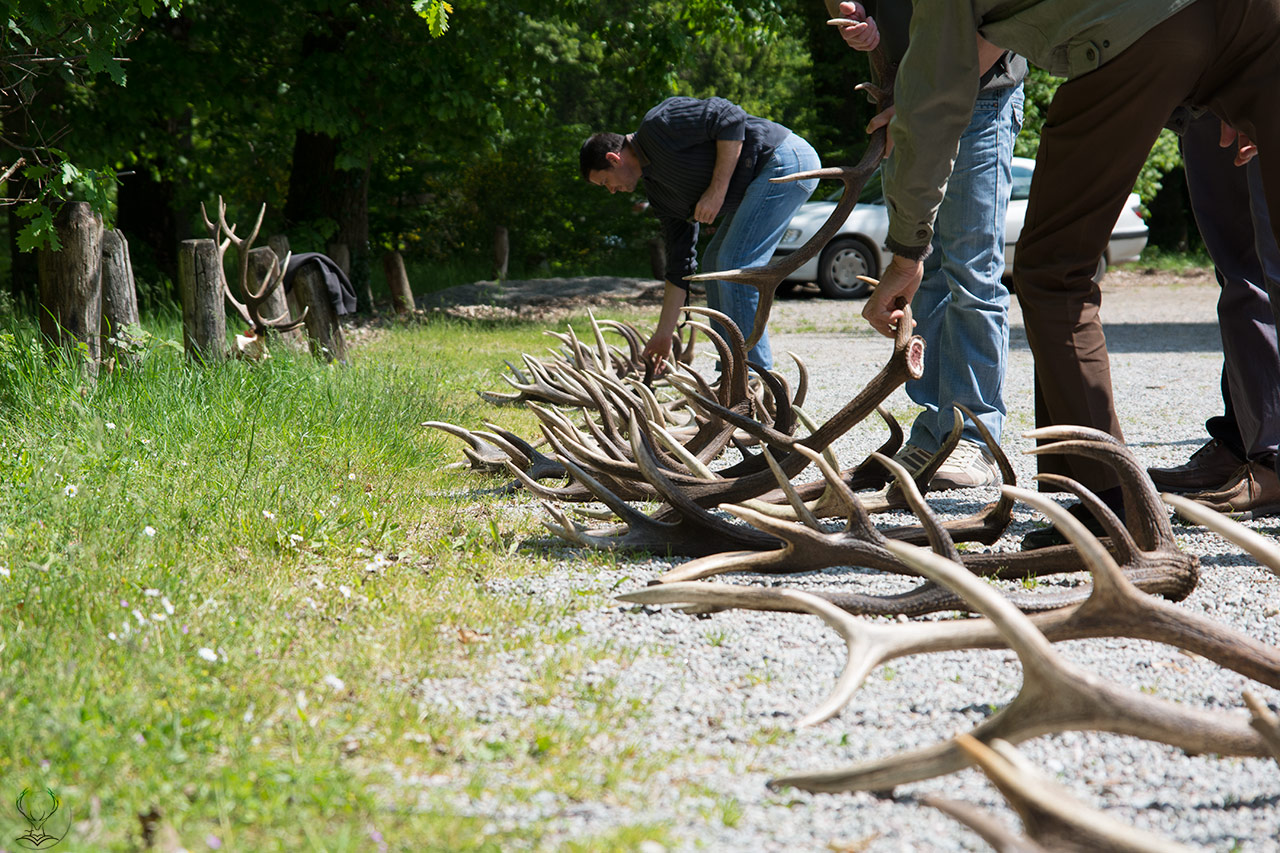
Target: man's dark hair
(591,158)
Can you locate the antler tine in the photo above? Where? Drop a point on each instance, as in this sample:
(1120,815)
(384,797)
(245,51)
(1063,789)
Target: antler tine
(939,539)
(737,348)
(1149,520)
(1121,541)
(1050,815)
(802,384)
(864,641)
(1264,722)
(489,454)
(725,391)
(1259,547)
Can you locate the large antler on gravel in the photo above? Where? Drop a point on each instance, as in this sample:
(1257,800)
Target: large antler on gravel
(766,279)
(1056,695)
(1115,608)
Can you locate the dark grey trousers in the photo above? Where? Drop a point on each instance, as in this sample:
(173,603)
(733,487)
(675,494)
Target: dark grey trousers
(1231,211)
(1220,54)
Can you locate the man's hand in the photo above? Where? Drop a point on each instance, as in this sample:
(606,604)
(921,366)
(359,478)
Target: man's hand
(1246,150)
(862,34)
(708,207)
(879,120)
(901,279)
(657,352)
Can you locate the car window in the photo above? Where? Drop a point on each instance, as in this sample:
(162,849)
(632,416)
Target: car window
(1021,183)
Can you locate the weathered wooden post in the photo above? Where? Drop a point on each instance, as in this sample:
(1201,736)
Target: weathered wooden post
(204,317)
(71,281)
(501,252)
(327,340)
(279,244)
(119,293)
(398,282)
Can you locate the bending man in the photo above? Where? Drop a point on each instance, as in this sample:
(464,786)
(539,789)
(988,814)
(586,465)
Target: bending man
(702,160)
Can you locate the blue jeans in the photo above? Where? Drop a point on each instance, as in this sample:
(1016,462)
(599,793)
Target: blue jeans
(748,236)
(962,306)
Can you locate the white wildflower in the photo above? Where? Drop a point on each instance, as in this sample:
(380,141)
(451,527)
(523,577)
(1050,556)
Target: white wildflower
(71,491)
(151,593)
(345,590)
(158,617)
(137,614)
(208,654)
(268,515)
(295,538)
(149,530)
(333,500)
(167,604)
(110,425)
(4,572)
(335,682)
(111,635)
(351,476)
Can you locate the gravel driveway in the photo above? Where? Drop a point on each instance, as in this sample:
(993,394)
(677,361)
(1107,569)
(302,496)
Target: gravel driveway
(726,691)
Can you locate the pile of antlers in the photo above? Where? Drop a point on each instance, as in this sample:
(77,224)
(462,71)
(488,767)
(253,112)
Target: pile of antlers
(618,436)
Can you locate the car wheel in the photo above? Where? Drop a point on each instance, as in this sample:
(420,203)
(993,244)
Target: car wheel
(1101,270)
(841,262)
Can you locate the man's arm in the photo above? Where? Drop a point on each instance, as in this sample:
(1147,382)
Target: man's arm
(658,349)
(727,153)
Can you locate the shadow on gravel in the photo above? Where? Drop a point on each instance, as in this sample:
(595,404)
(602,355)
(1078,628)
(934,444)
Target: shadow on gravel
(1147,337)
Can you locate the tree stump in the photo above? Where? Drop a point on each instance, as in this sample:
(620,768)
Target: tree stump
(276,306)
(398,282)
(119,294)
(71,281)
(501,252)
(327,339)
(204,317)
(279,244)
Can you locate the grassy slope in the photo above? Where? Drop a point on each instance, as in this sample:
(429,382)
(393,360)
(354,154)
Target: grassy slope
(223,591)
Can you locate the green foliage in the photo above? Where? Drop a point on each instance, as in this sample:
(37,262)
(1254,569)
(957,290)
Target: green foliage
(436,13)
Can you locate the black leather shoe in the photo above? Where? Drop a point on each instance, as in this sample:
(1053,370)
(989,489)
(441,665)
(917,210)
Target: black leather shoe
(1208,469)
(1047,537)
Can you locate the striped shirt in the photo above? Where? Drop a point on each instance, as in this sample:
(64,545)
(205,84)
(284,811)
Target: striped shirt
(676,144)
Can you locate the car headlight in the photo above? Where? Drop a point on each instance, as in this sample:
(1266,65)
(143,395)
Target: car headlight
(791,235)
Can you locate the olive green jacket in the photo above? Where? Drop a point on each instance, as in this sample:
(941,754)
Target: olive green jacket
(937,83)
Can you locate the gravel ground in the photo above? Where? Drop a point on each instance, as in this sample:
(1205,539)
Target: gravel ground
(725,692)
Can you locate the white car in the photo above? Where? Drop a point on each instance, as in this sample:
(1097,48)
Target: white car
(858,247)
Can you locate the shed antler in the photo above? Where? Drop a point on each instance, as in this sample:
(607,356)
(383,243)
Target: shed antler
(255,297)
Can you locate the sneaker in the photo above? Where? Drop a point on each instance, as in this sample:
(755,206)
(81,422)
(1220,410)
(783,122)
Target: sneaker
(1210,468)
(913,458)
(969,466)
(1048,536)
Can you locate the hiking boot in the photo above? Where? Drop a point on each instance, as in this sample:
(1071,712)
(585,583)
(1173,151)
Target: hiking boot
(1253,491)
(913,458)
(1209,468)
(968,467)
(1046,537)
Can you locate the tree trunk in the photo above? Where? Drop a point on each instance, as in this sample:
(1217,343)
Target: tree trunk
(351,194)
(501,252)
(327,340)
(204,318)
(275,306)
(119,294)
(71,281)
(657,258)
(398,282)
(279,244)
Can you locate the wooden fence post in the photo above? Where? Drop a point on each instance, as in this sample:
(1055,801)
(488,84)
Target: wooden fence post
(501,252)
(71,281)
(327,339)
(276,304)
(398,282)
(119,292)
(204,315)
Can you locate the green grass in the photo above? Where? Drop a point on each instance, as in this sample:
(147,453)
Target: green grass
(232,597)
(1156,258)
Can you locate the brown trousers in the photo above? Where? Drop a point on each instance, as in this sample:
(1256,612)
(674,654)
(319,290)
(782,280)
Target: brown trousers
(1220,54)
